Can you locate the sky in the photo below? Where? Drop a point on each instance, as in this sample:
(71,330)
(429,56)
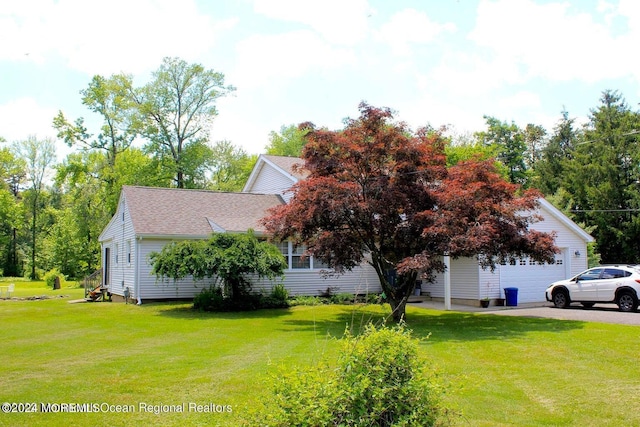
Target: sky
(437,62)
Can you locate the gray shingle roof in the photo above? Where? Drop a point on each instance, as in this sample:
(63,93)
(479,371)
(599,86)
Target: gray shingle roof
(179,212)
(287,163)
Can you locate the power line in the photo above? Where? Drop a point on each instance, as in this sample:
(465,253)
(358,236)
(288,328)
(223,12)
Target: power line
(633,132)
(604,210)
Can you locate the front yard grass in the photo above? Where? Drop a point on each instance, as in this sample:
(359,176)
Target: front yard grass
(498,370)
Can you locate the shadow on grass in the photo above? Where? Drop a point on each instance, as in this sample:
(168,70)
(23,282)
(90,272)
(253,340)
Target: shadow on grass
(459,326)
(187,312)
(440,326)
(333,320)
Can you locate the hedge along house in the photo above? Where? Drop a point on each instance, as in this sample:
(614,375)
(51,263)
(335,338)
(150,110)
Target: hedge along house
(469,282)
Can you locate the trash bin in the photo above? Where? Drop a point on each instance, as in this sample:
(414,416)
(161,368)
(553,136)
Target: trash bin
(511,295)
(418,289)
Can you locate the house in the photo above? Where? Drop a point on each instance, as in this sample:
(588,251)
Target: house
(149,218)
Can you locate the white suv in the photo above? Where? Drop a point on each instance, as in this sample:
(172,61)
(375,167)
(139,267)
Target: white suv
(609,284)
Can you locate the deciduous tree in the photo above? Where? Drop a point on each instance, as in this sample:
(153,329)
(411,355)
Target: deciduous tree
(508,142)
(39,155)
(378,192)
(12,174)
(289,142)
(177,109)
(231,258)
(230,167)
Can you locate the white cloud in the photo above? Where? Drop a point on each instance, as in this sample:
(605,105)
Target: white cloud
(520,100)
(233,125)
(550,40)
(411,26)
(22,117)
(338,21)
(462,74)
(107,36)
(265,60)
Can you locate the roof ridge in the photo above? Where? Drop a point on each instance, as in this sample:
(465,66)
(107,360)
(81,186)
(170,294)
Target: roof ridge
(201,190)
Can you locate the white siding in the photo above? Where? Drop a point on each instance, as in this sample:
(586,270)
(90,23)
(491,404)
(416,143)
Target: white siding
(152,288)
(299,282)
(118,234)
(464,280)
(566,240)
(272,181)
(360,281)
(489,283)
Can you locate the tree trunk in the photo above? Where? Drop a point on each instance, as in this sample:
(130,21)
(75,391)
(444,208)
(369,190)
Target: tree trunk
(33,241)
(398,293)
(398,309)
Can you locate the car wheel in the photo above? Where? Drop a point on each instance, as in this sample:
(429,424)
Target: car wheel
(627,301)
(588,304)
(561,299)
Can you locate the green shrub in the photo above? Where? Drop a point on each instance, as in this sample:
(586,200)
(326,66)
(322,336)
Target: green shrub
(374,299)
(379,379)
(307,300)
(210,299)
(342,298)
(278,298)
(50,278)
(280,292)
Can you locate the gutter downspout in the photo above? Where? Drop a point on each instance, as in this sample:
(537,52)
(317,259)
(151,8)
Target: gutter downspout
(136,274)
(447,282)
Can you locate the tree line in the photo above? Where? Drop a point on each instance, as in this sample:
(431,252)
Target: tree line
(158,134)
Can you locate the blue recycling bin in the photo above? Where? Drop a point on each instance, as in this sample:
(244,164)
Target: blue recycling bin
(511,296)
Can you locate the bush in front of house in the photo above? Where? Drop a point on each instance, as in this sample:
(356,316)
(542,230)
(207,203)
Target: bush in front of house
(213,299)
(379,379)
(342,298)
(307,300)
(278,298)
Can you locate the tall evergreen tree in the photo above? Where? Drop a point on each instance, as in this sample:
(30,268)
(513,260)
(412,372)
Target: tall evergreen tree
(550,170)
(603,178)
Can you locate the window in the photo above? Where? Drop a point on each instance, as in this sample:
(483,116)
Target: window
(523,261)
(317,264)
(614,273)
(129,252)
(117,253)
(296,258)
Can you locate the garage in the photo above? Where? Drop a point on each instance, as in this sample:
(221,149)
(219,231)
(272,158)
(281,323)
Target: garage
(532,278)
(470,282)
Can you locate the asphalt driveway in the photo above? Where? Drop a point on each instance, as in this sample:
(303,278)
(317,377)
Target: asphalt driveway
(604,313)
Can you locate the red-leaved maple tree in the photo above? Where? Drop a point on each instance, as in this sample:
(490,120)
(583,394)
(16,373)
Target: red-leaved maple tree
(377,192)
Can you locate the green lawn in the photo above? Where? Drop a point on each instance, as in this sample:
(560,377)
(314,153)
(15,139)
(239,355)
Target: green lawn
(499,371)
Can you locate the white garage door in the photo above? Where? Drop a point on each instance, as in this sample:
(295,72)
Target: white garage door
(531,278)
